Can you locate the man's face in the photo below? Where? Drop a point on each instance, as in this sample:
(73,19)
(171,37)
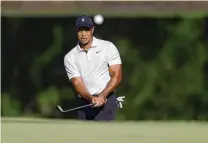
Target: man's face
(85,34)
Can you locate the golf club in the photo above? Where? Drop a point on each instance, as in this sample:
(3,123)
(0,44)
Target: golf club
(80,107)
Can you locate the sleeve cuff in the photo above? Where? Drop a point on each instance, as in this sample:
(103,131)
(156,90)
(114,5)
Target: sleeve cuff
(70,77)
(115,62)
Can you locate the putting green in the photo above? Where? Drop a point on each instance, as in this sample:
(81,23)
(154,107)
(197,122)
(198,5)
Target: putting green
(22,130)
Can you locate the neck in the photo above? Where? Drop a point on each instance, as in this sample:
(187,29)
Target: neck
(86,46)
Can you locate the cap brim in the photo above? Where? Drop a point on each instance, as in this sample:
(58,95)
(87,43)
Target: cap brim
(89,26)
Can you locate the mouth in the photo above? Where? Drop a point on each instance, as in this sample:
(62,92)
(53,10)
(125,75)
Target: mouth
(83,39)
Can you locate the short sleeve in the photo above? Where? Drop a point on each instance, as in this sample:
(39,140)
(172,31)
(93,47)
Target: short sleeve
(113,56)
(70,68)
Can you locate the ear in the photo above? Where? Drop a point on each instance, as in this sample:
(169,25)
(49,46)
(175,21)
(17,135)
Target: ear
(93,29)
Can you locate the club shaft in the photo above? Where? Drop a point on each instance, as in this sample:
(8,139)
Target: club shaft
(80,107)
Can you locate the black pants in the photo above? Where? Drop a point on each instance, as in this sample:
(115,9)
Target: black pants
(104,113)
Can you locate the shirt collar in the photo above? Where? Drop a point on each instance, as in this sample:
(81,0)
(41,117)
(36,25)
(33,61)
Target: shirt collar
(94,44)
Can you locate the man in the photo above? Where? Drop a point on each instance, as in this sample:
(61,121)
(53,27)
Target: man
(95,69)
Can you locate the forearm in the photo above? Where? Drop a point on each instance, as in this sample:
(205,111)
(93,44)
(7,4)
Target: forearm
(111,86)
(82,91)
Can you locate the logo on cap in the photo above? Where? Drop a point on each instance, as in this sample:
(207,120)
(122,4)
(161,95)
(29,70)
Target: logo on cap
(82,19)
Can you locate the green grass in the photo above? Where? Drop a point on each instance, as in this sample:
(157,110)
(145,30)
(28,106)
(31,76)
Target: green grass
(65,131)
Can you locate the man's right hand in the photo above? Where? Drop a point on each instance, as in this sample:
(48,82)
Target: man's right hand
(96,102)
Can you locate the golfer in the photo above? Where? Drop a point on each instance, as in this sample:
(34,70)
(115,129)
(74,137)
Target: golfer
(95,69)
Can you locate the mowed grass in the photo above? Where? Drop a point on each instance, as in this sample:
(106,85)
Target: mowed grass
(59,131)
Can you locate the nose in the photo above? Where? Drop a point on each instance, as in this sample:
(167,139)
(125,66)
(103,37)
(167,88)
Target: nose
(83,32)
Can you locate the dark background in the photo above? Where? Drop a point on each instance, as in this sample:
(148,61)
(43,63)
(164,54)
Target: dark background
(165,62)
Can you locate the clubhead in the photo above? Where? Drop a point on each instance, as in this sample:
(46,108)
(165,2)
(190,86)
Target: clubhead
(59,107)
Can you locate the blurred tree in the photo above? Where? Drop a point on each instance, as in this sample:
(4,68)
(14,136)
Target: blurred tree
(164,66)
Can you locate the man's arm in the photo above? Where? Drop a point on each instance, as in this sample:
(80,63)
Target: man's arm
(81,88)
(75,77)
(115,70)
(116,77)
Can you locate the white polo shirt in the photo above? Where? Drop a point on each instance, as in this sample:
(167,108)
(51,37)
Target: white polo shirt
(92,66)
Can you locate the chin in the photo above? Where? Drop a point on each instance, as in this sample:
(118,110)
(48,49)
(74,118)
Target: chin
(84,43)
